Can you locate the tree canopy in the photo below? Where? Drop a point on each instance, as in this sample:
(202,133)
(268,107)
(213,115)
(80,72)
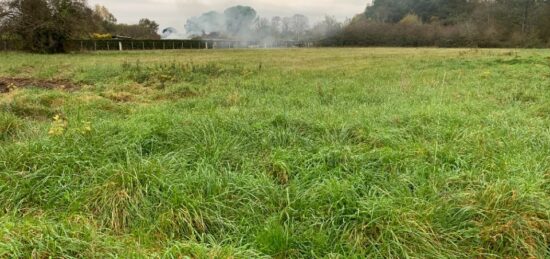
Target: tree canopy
(485,23)
(45,25)
(239,19)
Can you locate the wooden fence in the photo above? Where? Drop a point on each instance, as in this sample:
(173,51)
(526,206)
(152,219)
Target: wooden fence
(128,45)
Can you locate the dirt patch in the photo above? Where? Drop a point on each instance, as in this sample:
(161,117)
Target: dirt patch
(8,84)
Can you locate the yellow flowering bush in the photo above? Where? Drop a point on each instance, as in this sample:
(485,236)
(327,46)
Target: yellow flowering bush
(99,36)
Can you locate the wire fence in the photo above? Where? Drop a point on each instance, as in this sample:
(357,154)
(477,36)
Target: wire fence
(129,45)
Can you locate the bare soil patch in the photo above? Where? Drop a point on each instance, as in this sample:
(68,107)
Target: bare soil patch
(8,84)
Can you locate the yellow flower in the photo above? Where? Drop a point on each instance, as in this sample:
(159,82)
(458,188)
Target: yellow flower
(86,128)
(58,127)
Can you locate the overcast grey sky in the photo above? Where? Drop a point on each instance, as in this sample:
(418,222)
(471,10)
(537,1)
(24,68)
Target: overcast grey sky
(174,13)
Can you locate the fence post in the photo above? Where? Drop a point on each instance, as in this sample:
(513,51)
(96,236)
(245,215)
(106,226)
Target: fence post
(143,45)
(163,45)
(154,48)
(108,47)
(120,45)
(132,45)
(5,46)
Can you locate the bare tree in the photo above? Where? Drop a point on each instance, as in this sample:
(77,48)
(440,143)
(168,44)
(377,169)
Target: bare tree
(262,28)
(104,14)
(286,26)
(327,27)
(299,24)
(276,25)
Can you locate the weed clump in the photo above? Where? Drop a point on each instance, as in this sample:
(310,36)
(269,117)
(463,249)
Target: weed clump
(38,104)
(10,125)
(160,75)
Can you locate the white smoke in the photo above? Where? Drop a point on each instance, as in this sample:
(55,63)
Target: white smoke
(171,33)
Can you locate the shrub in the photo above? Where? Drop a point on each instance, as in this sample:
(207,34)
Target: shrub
(411,19)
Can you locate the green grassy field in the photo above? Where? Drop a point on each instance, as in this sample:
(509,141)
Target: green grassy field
(301,153)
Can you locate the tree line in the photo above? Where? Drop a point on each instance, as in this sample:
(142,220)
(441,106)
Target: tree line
(450,23)
(45,25)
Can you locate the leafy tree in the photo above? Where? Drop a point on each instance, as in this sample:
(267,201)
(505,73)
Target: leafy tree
(542,22)
(393,11)
(489,23)
(136,31)
(145,29)
(45,25)
(239,19)
(150,26)
(206,23)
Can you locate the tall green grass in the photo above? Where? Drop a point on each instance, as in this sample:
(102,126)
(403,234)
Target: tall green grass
(336,153)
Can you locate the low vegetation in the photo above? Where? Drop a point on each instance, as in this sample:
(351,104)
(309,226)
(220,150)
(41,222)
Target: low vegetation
(336,153)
